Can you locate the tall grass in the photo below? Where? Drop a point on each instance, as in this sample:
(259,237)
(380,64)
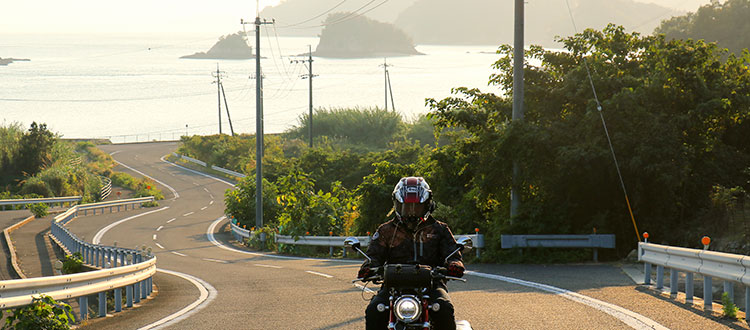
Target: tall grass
(360,126)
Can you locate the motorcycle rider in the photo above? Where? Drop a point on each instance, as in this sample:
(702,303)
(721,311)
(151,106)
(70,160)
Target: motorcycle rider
(413,236)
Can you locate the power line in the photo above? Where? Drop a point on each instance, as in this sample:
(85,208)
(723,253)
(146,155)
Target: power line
(316,16)
(350,15)
(606,131)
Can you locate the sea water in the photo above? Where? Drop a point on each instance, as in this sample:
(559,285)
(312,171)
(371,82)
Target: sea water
(130,88)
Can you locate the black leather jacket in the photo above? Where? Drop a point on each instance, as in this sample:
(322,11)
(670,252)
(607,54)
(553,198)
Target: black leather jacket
(427,244)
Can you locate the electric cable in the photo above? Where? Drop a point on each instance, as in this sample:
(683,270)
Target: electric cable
(312,18)
(606,131)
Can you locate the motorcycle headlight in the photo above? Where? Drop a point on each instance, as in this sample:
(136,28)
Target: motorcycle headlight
(407,308)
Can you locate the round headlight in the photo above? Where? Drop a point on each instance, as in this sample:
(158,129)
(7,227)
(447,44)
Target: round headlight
(407,308)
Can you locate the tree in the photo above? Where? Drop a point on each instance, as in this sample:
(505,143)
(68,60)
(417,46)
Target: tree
(35,148)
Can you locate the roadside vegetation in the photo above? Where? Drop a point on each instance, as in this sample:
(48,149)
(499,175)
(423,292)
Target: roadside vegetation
(678,113)
(36,163)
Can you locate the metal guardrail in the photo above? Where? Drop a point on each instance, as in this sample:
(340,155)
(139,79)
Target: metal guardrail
(731,268)
(49,201)
(213,167)
(594,241)
(335,241)
(120,267)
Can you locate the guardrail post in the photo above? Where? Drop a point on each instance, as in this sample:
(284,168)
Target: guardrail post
(674,276)
(118,300)
(708,293)
(647,271)
(659,277)
(729,289)
(103,304)
(144,289)
(689,288)
(83,304)
(596,255)
(747,304)
(129,296)
(137,292)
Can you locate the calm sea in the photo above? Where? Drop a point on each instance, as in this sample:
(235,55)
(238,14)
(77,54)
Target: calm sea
(135,88)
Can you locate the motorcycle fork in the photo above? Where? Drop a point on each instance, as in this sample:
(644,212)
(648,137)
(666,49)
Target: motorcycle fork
(425,308)
(391,313)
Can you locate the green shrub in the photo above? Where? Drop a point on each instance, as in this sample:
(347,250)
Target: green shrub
(73,263)
(729,308)
(39,210)
(43,313)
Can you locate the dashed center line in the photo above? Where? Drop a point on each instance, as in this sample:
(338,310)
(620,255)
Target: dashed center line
(186,214)
(319,274)
(211,202)
(160,228)
(179,254)
(159,245)
(196,184)
(154,237)
(212,196)
(204,188)
(203,208)
(216,260)
(267,266)
(170,220)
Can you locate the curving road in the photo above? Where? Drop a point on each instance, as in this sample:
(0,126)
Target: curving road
(205,283)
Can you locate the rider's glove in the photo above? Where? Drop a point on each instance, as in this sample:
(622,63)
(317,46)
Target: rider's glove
(364,272)
(455,269)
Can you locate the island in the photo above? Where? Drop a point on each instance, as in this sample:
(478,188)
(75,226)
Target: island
(6,61)
(347,35)
(229,47)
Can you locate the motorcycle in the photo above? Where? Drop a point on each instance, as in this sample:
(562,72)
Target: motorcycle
(408,286)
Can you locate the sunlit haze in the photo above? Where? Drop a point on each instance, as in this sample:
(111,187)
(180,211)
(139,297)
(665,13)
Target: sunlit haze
(138,16)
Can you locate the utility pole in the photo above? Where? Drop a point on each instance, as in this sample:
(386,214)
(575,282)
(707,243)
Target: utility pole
(226,105)
(515,196)
(385,81)
(218,75)
(258,128)
(310,76)
(390,90)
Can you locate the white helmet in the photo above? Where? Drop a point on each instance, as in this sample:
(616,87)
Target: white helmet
(412,199)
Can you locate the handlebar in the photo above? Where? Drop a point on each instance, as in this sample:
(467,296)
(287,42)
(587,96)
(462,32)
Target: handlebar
(439,273)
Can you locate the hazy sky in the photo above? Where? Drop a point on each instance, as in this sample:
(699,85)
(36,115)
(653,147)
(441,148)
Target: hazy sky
(76,16)
(157,16)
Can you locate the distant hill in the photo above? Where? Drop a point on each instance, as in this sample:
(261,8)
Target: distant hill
(491,22)
(311,13)
(348,35)
(230,47)
(727,24)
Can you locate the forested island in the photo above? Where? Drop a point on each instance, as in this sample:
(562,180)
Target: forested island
(229,47)
(349,36)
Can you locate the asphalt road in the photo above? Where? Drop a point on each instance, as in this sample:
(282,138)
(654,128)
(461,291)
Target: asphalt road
(254,291)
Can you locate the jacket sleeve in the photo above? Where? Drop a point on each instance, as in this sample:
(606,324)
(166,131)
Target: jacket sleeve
(448,245)
(377,249)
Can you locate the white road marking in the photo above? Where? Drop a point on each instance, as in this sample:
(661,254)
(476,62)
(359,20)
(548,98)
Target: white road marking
(207,294)
(196,184)
(154,237)
(212,197)
(170,220)
(98,237)
(159,245)
(204,188)
(186,214)
(319,274)
(267,266)
(216,260)
(203,208)
(368,290)
(114,152)
(634,320)
(160,228)
(174,192)
(179,254)
(211,202)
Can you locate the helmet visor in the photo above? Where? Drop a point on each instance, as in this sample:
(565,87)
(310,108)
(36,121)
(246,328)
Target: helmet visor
(412,210)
